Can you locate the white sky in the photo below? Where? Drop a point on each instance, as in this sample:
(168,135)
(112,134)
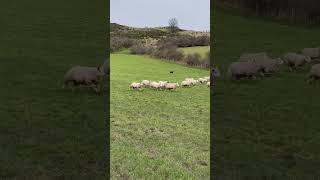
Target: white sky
(191,14)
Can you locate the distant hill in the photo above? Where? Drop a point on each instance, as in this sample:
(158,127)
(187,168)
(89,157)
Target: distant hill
(147,32)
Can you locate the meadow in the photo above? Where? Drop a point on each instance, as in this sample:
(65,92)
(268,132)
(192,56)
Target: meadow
(269,127)
(157,134)
(202,50)
(47,132)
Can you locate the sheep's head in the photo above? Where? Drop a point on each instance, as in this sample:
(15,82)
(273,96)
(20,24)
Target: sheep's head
(100,71)
(308,59)
(279,61)
(215,72)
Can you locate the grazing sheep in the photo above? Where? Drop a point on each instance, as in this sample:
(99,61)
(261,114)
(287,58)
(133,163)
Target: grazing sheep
(263,62)
(202,80)
(208,84)
(135,85)
(162,84)
(189,79)
(314,73)
(145,83)
(171,86)
(192,81)
(186,83)
(311,52)
(154,85)
(85,76)
(269,65)
(294,60)
(243,69)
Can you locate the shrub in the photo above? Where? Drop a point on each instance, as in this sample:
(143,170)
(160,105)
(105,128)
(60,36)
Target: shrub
(141,49)
(187,40)
(193,59)
(174,54)
(117,43)
(167,51)
(138,49)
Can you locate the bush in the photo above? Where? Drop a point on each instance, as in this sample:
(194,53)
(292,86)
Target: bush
(117,43)
(138,49)
(201,41)
(187,41)
(168,51)
(141,49)
(174,54)
(193,59)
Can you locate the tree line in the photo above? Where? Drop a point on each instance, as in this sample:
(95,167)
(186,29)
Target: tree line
(296,11)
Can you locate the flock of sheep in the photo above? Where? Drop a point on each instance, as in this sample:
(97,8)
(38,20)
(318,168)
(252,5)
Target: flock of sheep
(188,82)
(253,65)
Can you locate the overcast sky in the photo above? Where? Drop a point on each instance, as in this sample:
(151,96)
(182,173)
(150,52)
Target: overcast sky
(191,14)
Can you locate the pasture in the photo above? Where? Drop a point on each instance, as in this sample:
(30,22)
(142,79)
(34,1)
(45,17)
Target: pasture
(266,127)
(157,134)
(202,50)
(47,132)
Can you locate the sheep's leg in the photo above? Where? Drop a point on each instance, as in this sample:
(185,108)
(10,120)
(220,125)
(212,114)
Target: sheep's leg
(97,88)
(73,85)
(310,80)
(254,77)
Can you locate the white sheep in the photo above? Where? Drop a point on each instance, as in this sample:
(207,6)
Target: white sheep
(294,60)
(263,62)
(171,86)
(243,69)
(314,73)
(145,83)
(192,81)
(85,76)
(269,65)
(162,84)
(311,52)
(135,85)
(155,85)
(202,80)
(186,83)
(208,84)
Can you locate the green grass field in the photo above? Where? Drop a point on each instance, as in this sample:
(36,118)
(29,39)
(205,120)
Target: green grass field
(202,50)
(47,132)
(270,126)
(157,134)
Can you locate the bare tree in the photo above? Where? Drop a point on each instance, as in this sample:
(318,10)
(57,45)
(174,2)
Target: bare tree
(173,25)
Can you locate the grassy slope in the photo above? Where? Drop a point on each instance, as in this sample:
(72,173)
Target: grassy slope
(202,50)
(47,132)
(269,126)
(157,134)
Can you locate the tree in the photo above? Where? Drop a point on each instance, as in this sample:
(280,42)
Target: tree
(173,25)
